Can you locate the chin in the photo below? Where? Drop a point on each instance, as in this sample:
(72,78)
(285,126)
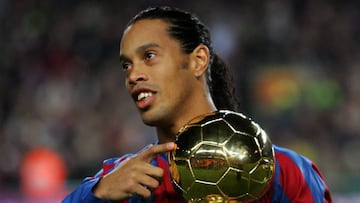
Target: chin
(148,122)
(153,119)
(148,119)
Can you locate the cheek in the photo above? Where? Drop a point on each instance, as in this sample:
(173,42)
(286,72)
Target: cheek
(180,86)
(126,84)
(128,87)
(174,76)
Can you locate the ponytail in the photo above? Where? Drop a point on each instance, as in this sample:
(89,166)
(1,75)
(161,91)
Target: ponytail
(221,85)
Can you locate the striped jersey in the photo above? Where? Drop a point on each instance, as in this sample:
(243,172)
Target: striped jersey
(296,179)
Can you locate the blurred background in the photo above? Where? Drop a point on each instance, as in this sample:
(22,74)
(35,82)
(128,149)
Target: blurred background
(64,109)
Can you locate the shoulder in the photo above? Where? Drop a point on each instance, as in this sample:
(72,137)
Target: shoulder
(289,158)
(297,177)
(291,167)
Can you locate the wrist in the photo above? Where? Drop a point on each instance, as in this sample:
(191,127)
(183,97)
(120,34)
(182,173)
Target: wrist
(97,190)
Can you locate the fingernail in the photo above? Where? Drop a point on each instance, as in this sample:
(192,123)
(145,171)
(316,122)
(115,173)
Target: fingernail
(171,145)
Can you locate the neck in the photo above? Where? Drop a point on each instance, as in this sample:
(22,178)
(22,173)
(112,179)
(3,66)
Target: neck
(167,133)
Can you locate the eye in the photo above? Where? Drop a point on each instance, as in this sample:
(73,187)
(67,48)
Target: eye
(149,55)
(125,66)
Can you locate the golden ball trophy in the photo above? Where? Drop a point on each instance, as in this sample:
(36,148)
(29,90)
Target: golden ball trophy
(222,157)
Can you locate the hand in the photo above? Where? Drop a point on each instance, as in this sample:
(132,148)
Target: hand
(135,176)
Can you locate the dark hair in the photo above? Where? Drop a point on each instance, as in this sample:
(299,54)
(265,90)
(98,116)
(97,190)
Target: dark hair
(190,32)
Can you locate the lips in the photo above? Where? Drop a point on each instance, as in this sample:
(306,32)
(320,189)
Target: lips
(143,97)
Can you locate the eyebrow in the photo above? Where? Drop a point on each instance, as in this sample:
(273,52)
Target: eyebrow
(142,48)
(139,50)
(124,58)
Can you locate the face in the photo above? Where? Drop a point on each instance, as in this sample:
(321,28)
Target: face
(157,73)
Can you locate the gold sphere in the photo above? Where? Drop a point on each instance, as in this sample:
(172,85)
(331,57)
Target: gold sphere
(222,157)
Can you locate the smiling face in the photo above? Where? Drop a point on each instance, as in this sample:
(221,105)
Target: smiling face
(163,80)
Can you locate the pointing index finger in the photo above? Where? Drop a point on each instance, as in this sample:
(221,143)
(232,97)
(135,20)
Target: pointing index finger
(155,150)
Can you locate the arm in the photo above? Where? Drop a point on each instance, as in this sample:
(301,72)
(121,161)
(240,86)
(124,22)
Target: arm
(122,178)
(84,192)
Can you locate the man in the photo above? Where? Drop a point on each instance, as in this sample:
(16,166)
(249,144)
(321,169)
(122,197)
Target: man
(173,75)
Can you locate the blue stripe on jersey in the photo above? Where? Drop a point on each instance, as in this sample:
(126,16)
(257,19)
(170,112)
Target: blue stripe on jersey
(313,180)
(278,192)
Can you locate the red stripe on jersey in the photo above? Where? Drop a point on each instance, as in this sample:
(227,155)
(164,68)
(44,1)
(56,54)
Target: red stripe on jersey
(165,193)
(294,184)
(107,168)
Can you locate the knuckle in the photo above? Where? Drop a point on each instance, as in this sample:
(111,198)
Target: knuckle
(131,184)
(161,172)
(154,184)
(152,149)
(147,194)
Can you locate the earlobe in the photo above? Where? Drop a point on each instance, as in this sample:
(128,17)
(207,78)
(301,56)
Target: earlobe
(201,58)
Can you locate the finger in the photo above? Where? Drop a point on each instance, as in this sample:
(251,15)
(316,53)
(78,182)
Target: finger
(150,153)
(141,191)
(150,182)
(153,171)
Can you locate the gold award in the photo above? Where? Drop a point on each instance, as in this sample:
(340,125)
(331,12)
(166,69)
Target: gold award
(222,157)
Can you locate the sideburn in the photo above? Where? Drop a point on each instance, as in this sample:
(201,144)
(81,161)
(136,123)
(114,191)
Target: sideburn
(184,64)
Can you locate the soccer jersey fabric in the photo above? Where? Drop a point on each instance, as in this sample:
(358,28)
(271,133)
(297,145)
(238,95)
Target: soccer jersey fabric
(296,179)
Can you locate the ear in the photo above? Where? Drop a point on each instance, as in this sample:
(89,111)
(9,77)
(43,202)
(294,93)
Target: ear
(200,58)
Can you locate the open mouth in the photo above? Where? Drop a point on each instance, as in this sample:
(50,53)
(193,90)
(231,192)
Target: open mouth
(143,96)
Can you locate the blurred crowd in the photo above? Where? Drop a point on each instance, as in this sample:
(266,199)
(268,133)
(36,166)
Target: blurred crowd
(296,65)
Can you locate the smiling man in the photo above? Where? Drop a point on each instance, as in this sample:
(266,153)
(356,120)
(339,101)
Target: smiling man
(173,75)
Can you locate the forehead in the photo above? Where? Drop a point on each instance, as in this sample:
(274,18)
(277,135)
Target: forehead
(144,32)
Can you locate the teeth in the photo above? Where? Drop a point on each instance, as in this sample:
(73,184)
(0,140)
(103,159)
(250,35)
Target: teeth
(144,95)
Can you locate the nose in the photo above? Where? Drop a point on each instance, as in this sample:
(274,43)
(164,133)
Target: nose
(136,75)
